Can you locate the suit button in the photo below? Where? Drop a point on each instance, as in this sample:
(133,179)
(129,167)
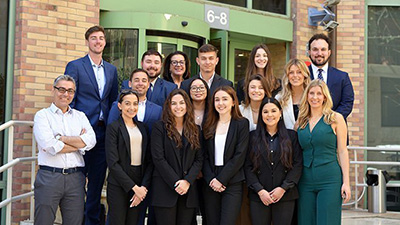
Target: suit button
(272,164)
(185,172)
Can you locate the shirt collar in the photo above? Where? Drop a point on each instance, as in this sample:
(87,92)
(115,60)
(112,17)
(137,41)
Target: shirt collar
(274,136)
(94,64)
(210,80)
(141,103)
(315,69)
(154,82)
(55,109)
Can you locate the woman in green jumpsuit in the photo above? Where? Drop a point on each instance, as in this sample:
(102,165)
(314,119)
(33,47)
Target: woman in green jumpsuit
(325,181)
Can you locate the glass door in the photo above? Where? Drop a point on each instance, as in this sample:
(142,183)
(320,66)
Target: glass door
(168,45)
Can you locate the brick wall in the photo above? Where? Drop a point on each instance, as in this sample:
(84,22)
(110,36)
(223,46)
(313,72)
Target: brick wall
(350,56)
(49,33)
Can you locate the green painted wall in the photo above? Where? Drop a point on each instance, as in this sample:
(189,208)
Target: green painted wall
(149,14)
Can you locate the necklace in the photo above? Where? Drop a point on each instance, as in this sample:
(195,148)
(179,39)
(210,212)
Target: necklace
(224,123)
(254,110)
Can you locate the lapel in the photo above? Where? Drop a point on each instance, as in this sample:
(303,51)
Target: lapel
(125,135)
(290,109)
(147,112)
(89,71)
(215,83)
(144,140)
(108,80)
(185,151)
(229,138)
(331,78)
(157,88)
(311,72)
(264,154)
(174,148)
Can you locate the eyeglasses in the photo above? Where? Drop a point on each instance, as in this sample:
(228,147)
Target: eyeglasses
(175,63)
(63,90)
(199,88)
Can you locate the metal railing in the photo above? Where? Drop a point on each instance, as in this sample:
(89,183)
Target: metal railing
(12,162)
(356,163)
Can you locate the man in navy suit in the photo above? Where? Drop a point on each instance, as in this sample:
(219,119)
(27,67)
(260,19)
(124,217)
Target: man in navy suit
(159,88)
(148,112)
(207,59)
(96,89)
(339,84)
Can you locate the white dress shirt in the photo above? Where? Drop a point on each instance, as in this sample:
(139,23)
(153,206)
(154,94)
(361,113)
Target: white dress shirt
(220,140)
(209,82)
(141,110)
(324,72)
(248,114)
(100,78)
(49,123)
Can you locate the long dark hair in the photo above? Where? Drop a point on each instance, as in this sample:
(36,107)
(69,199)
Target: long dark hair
(259,143)
(213,116)
(206,99)
(190,130)
(271,80)
(167,63)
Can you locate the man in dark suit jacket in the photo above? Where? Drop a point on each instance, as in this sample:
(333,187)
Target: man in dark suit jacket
(148,112)
(207,60)
(159,88)
(339,84)
(96,89)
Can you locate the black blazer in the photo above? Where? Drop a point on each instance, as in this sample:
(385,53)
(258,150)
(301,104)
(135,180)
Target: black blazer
(236,145)
(169,168)
(268,178)
(118,155)
(217,82)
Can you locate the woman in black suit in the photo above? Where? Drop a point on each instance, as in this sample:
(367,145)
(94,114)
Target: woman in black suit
(227,134)
(128,161)
(273,167)
(177,156)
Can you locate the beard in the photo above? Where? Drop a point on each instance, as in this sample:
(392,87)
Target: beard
(317,64)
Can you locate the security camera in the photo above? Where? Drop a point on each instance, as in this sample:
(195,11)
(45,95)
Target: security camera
(330,25)
(330,3)
(184,23)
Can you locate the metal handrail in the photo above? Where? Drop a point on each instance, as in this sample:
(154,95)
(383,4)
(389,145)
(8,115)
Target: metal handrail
(381,163)
(12,162)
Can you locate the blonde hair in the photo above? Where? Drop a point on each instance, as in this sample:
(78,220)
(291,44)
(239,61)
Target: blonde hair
(286,86)
(305,111)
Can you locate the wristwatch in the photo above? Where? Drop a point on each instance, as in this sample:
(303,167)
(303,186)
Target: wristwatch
(58,136)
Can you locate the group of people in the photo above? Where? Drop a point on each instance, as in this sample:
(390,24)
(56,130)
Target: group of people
(176,144)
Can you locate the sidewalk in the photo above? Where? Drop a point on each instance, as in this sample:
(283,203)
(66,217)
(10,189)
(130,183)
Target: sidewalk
(363,217)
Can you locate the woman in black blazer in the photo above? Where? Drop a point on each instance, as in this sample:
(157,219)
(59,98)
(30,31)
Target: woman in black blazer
(273,167)
(177,156)
(128,161)
(227,134)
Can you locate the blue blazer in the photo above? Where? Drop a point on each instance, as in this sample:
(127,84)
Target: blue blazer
(152,114)
(161,90)
(87,97)
(341,90)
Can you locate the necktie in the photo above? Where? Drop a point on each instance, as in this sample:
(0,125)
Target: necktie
(149,92)
(320,74)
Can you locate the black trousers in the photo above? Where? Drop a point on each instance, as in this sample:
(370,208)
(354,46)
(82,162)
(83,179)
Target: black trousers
(119,210)
(180,214)
(222,208)
(280,213)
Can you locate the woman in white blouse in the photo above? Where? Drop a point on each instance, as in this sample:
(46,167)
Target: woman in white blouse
(294,81)
(254,94)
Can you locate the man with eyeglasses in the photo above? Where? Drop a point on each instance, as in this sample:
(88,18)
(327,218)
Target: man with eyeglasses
(207,60)
(96,89)
(148,112)
(63,136)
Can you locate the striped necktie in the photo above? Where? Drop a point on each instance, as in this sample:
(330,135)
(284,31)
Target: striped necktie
(320,74)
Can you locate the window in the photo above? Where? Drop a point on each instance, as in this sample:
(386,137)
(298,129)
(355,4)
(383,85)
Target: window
(233,2)
(121,51)
(275,6)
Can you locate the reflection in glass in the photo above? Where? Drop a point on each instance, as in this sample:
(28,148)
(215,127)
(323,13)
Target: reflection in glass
(192,54)
(241,58)
(275,6)
(121,51)
(217,44)
(163,48)
(383,87)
